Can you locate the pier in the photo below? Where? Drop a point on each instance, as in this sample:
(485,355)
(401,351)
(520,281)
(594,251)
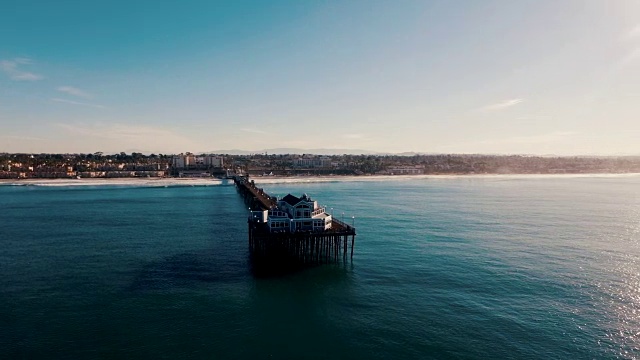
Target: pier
(293,231)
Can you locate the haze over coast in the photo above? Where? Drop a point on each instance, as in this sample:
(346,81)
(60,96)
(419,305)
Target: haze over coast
(416,77)
(137,165)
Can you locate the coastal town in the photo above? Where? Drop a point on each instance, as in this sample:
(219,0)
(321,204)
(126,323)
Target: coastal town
(123,165)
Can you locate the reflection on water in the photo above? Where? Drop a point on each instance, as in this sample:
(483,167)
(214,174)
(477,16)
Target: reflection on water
(455,267)
(187,269)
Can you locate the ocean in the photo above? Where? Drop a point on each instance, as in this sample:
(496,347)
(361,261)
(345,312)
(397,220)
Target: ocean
(513,267)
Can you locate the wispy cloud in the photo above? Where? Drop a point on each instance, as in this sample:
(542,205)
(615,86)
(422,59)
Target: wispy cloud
(12,68)
(534,118)
(634,33)
(70,90)
(631,56)
(255,131)
(631,39)
(353,136)
(114,136)
(552,137)
(117,131)
(532,144)
(65,101)
(21,138)
(501,105)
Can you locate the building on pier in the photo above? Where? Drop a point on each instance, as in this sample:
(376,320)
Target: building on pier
(293,213)
(292,231)
(298,214)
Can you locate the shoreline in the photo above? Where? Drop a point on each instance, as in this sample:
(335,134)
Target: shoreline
(152,181)
(356,178)
(169,181)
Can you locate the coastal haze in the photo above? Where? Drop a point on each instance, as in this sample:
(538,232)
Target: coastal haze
(543,77)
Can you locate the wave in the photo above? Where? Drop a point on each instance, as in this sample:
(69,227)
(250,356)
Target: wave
(170,182)
(178,182)
(365,178)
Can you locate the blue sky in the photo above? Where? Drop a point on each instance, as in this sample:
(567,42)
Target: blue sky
(530,77)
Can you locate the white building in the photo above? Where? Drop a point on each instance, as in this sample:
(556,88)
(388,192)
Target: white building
(183,161)
(313,162)
(296,214)
(407,170)
(213,161)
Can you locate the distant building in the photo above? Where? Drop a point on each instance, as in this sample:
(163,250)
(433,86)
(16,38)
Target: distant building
(213,161)
(407,170)
(183,161)
(190,161)
(313,162)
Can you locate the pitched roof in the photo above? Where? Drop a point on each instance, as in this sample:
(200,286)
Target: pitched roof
(291,200)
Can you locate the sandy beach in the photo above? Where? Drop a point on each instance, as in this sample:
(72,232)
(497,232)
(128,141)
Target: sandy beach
(166,182)
(146,182)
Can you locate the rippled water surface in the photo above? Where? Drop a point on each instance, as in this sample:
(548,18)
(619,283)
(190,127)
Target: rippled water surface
(473,268)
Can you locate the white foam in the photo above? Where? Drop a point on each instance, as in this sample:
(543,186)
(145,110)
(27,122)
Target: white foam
(130,182)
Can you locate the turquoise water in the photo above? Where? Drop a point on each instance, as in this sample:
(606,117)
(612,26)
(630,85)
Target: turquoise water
(468,268)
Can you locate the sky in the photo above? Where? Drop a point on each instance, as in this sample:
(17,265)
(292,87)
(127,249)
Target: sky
(502,77)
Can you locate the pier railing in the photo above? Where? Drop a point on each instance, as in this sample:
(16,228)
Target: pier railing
(265,201)
(340,226)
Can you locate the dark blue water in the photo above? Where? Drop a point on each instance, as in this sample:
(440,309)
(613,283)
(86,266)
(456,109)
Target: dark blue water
(468,268)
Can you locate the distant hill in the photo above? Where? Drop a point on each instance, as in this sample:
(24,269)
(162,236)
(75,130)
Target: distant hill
(297,151)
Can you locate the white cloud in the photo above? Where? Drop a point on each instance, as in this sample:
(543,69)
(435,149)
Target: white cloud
(632,56)
(534,118)
(65,101)
(12,69)
(548,143)
(74,91)
(501,105)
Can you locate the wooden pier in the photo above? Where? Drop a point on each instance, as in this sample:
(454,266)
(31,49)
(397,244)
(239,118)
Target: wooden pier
(289,248)
(254,196)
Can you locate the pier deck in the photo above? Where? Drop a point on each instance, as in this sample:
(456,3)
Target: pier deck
(258,198)
(287,247)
